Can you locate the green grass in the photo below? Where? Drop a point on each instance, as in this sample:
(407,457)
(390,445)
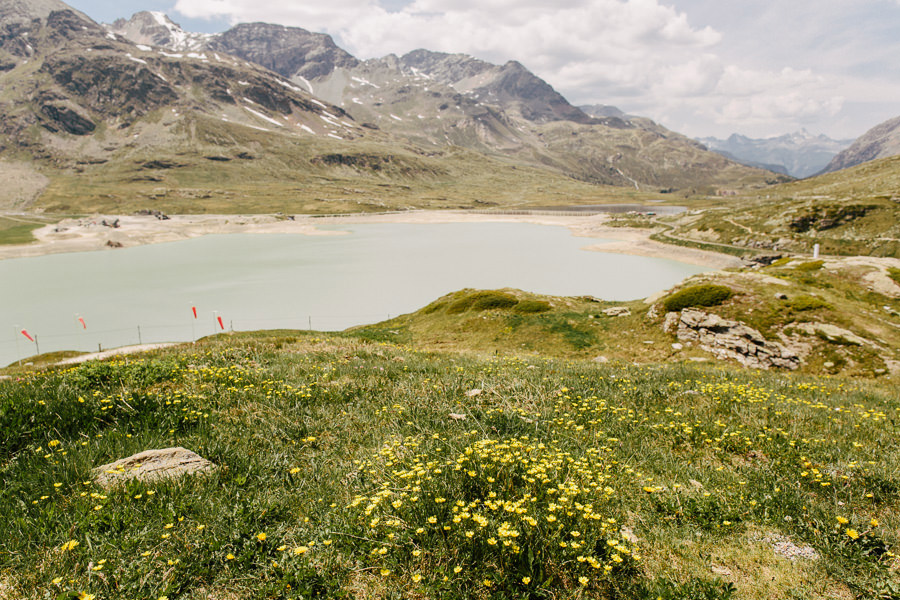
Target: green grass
(16,232)
(565,479)
(780,302)
(697,296)
(894,274)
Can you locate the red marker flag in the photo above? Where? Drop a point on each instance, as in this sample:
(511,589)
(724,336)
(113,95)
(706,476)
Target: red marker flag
(194,309)
(221,324)
(25,333)
(83,324)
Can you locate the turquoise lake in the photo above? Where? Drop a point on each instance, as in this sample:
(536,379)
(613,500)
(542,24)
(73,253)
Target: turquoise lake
(296,281)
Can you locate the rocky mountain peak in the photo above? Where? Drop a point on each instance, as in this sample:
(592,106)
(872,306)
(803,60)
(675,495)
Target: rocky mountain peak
(154,28)
(599,111)
(509,84)
(289,51)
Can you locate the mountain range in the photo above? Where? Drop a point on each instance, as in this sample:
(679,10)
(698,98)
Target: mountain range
(436,99)
(798,154)
(142,111)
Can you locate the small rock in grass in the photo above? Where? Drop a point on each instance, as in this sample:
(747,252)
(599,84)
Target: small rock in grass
(617,311)
(677,346)
(784,547)
(781,296)
(601,359)
(723,571)
(828,365)
(152,465)
(458,416)
(627,534)
(473,393)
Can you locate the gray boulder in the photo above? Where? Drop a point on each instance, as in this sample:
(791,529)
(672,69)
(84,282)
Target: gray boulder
(152,465)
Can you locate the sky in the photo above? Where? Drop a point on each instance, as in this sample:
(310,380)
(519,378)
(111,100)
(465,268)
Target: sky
(760,68)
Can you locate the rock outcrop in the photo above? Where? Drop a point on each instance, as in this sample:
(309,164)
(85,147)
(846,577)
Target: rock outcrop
(152,465)
(730,340)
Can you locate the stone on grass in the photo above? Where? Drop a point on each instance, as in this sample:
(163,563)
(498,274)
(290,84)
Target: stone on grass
(783,546)
(731,340)
(617,311)
(152,465)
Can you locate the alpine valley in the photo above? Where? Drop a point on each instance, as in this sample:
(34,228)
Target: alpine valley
(732,436)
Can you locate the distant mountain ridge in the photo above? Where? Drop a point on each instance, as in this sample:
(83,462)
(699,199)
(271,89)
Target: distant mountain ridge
(439,100)
(799,154)
(882,141)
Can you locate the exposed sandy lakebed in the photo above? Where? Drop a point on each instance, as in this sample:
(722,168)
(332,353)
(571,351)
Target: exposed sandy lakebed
(90,234)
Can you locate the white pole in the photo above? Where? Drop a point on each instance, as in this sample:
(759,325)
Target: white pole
(816,251)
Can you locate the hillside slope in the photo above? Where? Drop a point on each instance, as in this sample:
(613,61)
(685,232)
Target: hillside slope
(881,141)
(848,212)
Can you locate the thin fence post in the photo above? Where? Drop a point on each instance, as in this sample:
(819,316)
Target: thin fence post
(36,346)
(310,322)
(140,341)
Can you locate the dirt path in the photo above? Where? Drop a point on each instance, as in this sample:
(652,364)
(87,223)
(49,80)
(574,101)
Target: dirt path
(115,352)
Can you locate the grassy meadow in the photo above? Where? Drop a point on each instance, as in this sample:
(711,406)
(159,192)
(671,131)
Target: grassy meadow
(349,468)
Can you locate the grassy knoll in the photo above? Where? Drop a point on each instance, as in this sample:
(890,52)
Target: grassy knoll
(830,312)
(352,468)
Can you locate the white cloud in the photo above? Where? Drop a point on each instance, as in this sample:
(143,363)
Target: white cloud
(641,54)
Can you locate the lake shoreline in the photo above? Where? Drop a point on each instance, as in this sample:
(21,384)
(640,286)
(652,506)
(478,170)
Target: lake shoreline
(97,233)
